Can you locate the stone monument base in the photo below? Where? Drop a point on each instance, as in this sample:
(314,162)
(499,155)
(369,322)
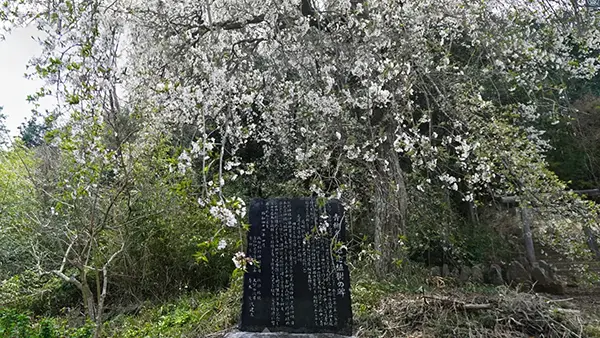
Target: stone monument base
(282,335)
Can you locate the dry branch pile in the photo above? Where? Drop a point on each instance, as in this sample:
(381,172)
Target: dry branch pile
(505,314)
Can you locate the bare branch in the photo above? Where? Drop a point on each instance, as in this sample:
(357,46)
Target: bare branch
(68,279)
(64,261)
(229,25)
(113,257)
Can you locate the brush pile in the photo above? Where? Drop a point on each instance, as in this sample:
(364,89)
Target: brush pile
(506,313)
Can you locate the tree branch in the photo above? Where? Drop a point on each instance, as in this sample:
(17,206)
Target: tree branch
(64,260)
(227,25)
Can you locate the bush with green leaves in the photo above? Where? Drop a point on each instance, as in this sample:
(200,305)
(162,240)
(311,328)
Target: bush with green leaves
(168,233)
(45,294)
(18,205)
(439,232)
(21,324)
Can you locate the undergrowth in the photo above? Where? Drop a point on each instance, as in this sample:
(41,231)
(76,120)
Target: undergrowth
(22,324)
(405,304)
(197,314)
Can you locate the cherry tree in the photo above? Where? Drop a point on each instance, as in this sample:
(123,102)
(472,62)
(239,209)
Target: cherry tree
(348,97)
(355,95)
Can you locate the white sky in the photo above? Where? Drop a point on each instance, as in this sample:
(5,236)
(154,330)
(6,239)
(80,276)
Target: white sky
(15,51)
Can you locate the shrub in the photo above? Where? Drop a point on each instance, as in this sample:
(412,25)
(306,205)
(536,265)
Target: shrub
(41,294)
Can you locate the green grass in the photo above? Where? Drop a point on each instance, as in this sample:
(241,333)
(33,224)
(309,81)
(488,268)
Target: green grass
(193,315)
(592,331)
(19,324)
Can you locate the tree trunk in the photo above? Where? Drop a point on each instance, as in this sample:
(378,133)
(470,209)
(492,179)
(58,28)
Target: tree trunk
(527,235)
(390,213)
(100,308)
(86,292)
(88,299)
(592,243)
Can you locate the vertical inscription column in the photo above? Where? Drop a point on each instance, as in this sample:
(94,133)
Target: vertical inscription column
(254,309)
(275,262)
(288,254)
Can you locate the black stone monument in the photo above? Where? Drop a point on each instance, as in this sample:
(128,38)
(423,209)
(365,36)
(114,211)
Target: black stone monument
(300,283)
